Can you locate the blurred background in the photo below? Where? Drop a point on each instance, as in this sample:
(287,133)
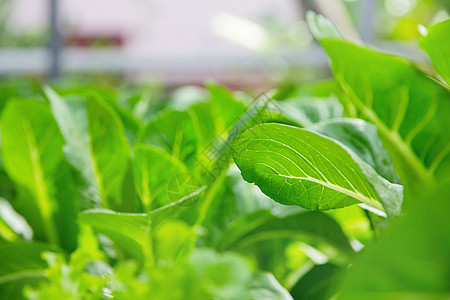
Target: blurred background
(243,44)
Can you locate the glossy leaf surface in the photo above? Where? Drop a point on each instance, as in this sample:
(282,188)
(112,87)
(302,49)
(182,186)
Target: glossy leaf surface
(296,166)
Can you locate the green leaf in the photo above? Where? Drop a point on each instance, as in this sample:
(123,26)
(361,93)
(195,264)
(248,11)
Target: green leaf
(409,109)
(225,275)
(321,27)
(131,124)
(169,239)
(204,120)
(306,111)
(362,138)
(228,275)
(20,257)
(319,283)
(264,286)
(296,166)
(263,224)
(17,87)
(226,107)
(172,209)
(229,205)
(13,225)
(21,263)
(436,44)
(33,158)
(321,88)
(129,231)
(95,145)
(173,132)
(153,169)
(81,277)
(410,260)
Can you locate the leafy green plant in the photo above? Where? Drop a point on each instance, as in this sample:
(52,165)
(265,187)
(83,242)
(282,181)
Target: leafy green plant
(337,189)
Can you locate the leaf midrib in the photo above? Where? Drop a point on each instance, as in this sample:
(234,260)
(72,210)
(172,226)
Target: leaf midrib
(21,275)
(43,198)
(369,201)
(353,193)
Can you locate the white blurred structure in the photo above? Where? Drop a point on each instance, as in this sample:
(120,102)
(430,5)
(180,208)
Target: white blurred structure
(154,27)
(175,41)
(167,39)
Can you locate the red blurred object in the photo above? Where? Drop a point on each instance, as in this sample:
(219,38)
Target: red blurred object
(87,41)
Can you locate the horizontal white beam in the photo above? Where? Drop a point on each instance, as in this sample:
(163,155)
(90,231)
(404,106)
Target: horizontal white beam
(76,60)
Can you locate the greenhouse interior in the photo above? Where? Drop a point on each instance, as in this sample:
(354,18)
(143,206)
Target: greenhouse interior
(226,150)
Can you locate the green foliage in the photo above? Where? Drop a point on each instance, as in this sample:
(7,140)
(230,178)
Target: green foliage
(411,259)
(94,145)
(296,166)
(153,169)
(409,109)
(33,158)
(21,264)
(435,43)
(134,193)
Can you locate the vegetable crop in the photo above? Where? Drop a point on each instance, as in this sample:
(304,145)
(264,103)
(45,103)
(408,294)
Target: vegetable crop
(334,189)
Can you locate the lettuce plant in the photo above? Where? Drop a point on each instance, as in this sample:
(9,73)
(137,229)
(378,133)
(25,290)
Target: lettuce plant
(338,189)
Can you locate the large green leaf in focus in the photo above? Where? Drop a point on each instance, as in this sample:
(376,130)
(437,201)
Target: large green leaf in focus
(362,138)
(294,166)
(95,145)
(409,109)
(129,231)
(32,156)
(21,264)
(436,44)
(153,170)
(410,261)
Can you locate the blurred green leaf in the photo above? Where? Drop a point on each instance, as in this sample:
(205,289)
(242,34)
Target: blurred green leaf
(173,132)
(129,231)
(411,259)
(95,145)
(225,275)
(436,44)
(263,224)
(409,109)
(362,138)
(153,171)
(228,110)
(83,276)
(12,224)
(320,88)
(264,286)
(33,158)
(322,27)
(319,283)
(228,275)
(21,263)
(169,238)
(305,111)
(17,87)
